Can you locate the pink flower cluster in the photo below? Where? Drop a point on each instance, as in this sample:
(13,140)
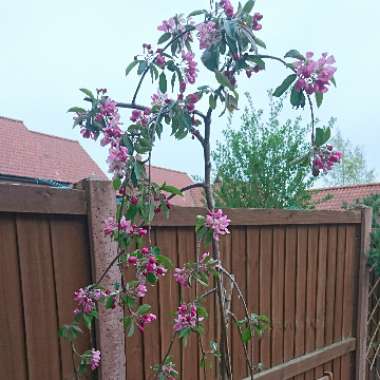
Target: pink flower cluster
(191,100)
(182,275)
(117,159)
(146,265)
(218,222)
(314,76)
(325,159)
(144,320)
(257,17)
(190,66)
(168,371)
(125,225)
(160,100)
(176,25)
(86,299)
(227,7)
(208,34)
(187,316)
(141,290)
(95,359)
(141,117)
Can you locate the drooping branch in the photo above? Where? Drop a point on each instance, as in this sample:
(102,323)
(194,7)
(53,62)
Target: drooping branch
(187,188)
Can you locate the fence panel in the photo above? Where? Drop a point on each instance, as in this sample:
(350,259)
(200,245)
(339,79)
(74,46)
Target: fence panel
(304,270)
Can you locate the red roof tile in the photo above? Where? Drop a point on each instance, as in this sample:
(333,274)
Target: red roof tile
(343,195)
(32,154)
(191,198)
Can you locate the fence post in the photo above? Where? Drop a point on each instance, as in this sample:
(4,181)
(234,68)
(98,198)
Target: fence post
(109,332)
(361,334)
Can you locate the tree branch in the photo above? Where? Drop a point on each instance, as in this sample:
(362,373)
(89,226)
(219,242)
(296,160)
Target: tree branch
(186,188)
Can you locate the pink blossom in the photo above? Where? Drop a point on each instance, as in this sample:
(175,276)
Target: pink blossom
(86,299)
(126,226)
(117,159)
(168,371)
(145,250)
(325,159)
(167,26)
(141,290)
(314,76)
(218,222)
(181,276)
(255,22)
(110,226)
(160,100)
(160,60)
(108,107)
(191,100)
(132,260)
(144,320)
(95,359)
(227,7)
(191,66)
(208,34)
(186,317)
(87,134)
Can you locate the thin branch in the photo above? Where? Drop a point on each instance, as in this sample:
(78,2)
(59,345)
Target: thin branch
(131,106)
(312,120)
(241,296)
(250,365)
(172,340)
(73,353)
(272,57)
(186,188)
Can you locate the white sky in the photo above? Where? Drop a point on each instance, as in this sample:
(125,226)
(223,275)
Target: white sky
(49,49)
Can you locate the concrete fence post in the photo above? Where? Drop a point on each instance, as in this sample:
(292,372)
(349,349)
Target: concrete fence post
(110,332)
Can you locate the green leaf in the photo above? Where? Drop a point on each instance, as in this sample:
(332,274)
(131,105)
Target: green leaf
(212,101)
(76,110)
(202,312)
(319,98)
(143,309)
(223,80)
(259,42)
(152,279)
(210,58)
(109,303)
(285,85)
(333,81)
(165,261)
(297,98)
(142,67)
(87,92)
(259,62)
(131,66)
(322,135)
(171,189)
(248,6)
(87,319)
(165,37)
(184,332)
(197,13)
(163,83)
(116,183)
(294,54)
(246,335)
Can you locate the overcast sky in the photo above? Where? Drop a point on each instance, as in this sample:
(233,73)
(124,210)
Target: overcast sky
(49,49)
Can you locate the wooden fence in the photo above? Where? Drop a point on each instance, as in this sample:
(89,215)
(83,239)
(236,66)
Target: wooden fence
(306,270)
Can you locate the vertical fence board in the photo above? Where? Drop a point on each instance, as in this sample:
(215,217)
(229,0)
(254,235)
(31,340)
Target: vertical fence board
(40,304)
(238,263)
(321,294)
(330,288)
(266,240)
(253,282)
(12,335)
(302,234)
(278,293)
(290,293)
(339,294)
(311,293)
(69,245)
